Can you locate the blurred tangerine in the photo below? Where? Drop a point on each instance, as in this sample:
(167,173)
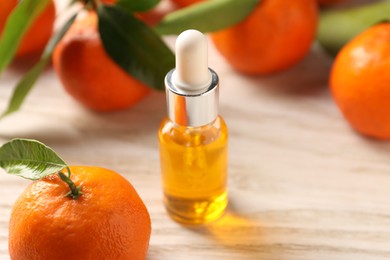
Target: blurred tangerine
(87,72)
(274,37)
(360,81)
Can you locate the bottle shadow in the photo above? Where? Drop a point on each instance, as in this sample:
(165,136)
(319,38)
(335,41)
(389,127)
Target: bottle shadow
(238,234)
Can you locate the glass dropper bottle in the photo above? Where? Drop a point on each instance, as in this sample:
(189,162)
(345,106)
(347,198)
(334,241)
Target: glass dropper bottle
(193,137)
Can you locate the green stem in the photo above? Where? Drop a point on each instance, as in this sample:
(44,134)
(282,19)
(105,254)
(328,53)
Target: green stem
(75,192)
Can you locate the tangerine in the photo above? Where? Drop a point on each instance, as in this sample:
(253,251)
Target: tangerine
(108,221)
(37,36)
(274,37)
(88,73)
(360,79)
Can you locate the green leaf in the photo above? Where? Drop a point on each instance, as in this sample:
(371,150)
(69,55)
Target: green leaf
(29,159)
(26,83)
(138,5)
(17,25)
(208,16)
(337,27)
(134,46)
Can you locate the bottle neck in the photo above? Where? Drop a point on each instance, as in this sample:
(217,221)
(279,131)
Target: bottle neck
(192,109)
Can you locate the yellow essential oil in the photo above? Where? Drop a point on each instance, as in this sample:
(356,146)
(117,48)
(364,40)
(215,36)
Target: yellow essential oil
(193,137)
(194,170)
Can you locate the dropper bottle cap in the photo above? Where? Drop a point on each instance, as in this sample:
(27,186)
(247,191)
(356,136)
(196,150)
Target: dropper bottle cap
(192,88)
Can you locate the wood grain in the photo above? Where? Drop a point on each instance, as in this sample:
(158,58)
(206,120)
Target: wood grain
(302,184)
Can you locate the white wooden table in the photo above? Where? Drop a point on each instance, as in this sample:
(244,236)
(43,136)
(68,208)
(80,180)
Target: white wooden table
(302,183)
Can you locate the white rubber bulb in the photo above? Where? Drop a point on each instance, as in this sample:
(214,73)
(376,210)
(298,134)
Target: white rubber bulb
(192,72)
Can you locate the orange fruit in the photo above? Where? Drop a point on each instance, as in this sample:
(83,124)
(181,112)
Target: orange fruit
(274,37)
(36,38)
(108,221)
(360,79)
(184,3)
(88,73)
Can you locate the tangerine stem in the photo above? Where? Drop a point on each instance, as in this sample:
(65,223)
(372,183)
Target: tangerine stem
(75,192)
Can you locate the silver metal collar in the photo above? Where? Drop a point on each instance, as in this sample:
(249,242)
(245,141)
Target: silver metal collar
(192,109)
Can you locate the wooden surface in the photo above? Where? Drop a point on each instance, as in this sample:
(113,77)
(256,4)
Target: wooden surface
(302,184)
